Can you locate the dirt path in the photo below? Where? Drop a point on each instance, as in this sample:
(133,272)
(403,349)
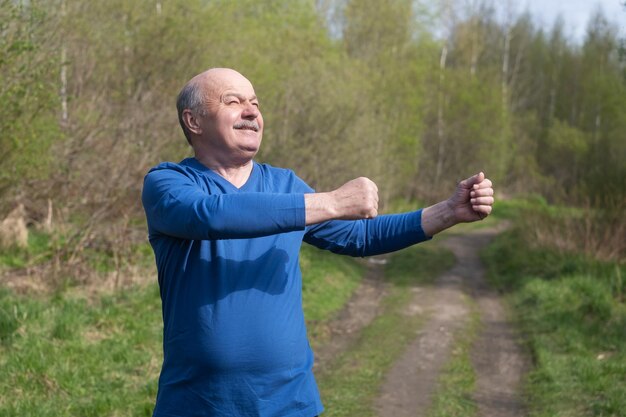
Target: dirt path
(496,356)
(410,384)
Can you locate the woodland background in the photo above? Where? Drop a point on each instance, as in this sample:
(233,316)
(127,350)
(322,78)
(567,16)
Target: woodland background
(413,94)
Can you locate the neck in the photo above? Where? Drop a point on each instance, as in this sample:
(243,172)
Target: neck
(235,173)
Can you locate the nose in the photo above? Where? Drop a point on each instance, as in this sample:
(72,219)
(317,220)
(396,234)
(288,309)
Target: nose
(250,111)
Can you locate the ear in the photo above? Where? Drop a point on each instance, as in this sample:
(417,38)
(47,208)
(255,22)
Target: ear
(191,122)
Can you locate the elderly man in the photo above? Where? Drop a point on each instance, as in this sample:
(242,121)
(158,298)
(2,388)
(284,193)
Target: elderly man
(226,233)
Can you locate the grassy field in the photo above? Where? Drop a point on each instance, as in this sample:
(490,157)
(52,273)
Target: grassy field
(572,311)
(65,355)
(72,353)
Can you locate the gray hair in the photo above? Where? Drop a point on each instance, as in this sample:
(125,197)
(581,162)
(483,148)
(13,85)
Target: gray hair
(191,97)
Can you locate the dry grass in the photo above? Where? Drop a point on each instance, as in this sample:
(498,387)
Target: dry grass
(13,231)
(599,233)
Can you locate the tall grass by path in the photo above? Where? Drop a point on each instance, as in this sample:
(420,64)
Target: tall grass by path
(571,308)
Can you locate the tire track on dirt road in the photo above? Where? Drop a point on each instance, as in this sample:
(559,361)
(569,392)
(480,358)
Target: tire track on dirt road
(497,355)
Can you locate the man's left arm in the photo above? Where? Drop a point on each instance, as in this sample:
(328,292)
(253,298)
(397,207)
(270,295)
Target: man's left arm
(472,201)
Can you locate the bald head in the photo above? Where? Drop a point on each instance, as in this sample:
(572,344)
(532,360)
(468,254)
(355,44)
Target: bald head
(203,89)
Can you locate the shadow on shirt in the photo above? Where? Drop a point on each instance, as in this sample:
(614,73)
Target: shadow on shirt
(267,273)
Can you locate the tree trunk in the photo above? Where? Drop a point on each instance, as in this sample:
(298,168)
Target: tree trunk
(440,120)
(64,114)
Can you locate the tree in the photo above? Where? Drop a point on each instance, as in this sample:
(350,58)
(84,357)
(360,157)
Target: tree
(29,109)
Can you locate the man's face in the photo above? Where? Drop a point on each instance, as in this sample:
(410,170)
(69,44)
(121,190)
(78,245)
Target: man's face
(233,125)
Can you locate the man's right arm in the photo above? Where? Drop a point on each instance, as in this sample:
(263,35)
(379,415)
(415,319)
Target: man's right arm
(176,206)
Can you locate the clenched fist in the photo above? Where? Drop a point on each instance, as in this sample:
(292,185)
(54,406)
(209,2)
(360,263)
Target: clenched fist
(472,201)
(356,199)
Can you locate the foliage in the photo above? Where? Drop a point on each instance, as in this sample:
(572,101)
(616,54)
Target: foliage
(412,97)
(29,103)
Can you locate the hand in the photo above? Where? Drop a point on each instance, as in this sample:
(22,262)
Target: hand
(473,199)
(356,199)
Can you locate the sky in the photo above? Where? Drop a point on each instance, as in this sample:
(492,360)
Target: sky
(575,13)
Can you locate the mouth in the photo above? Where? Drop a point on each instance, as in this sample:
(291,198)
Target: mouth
(247,125)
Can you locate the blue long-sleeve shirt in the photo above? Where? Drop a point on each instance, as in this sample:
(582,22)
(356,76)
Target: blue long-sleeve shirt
(235,340)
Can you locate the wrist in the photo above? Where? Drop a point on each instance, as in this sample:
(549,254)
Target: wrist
(331,204)
(438,217)
(319,207)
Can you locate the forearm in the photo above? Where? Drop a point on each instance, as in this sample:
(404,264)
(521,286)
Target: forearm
(319,207)
(376,236)
(437,218)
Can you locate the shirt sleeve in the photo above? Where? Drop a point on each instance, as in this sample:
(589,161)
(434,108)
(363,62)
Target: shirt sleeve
(177,206)
(386,233)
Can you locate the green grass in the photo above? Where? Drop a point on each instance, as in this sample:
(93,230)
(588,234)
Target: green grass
(42,247)
(572,310)
(456,384)
(513,208)
(67,354)
(418,265)
(39,249)
(353,380)
(328,281)
(513,262)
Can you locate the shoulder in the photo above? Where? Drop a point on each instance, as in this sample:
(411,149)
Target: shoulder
(172,170)
(282,179)
(168,176)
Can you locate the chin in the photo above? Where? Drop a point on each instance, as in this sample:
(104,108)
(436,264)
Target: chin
(251,145)
(248,152)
